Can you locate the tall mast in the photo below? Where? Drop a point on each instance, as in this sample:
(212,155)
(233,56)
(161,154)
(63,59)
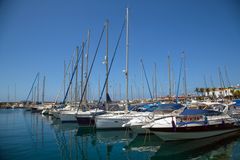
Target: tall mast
(82,71)
(185,76)
(126,70)
(205,81)
(212,82)
(169,78)
(226,75)
(64,78)
(221,78)
(37,90)
(43,90)
(15,93)
(76,82)
(106,61)
(155,79)
(87,53)
(142,84)
(120,94)
(131,93)
(8,94)
(34,94)
(146,79)
(99,85)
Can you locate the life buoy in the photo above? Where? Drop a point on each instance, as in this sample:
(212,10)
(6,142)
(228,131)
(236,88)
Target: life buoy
(150,116)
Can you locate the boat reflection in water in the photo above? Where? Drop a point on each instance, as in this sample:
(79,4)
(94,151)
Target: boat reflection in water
(219,147)
(145,145)
(76,142)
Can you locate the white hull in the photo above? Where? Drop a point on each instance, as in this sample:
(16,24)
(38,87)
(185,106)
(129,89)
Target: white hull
(109,123)
(171,136)
(112,121)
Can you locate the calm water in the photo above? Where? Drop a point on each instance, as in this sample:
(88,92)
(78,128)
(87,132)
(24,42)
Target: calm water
(26,135)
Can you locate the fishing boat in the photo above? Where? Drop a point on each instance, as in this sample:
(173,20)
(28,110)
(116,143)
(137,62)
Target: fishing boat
(193,124)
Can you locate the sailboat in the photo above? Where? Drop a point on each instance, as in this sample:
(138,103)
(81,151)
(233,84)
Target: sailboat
(86,115)
(115,119)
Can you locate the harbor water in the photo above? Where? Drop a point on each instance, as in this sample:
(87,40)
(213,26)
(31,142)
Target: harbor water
(26,135)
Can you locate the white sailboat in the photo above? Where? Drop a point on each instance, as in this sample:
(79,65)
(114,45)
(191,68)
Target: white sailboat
(115,120)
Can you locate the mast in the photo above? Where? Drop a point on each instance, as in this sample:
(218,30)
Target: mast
(37,90)
(34,94)
(88,45)
(126,70)
(82,71)
(169,78)
(146,79)
(15,90)
(205,81)
(212,82)
(226,75)
(8,94)
(185,76)
(221,78)
(155,79)
(131,93)
(142,84)
(76,80)
(99,85)
(64,78)
(106,61)
(43,90)
(120,94)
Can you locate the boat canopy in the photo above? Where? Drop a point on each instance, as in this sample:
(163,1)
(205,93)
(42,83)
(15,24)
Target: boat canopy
(187,112)
(171,106)
(237,102)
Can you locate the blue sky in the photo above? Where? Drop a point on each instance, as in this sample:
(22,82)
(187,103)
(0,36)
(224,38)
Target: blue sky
(38,35)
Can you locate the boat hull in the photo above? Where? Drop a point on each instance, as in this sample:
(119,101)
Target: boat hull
(198,132)
(110,123)
(85,121)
